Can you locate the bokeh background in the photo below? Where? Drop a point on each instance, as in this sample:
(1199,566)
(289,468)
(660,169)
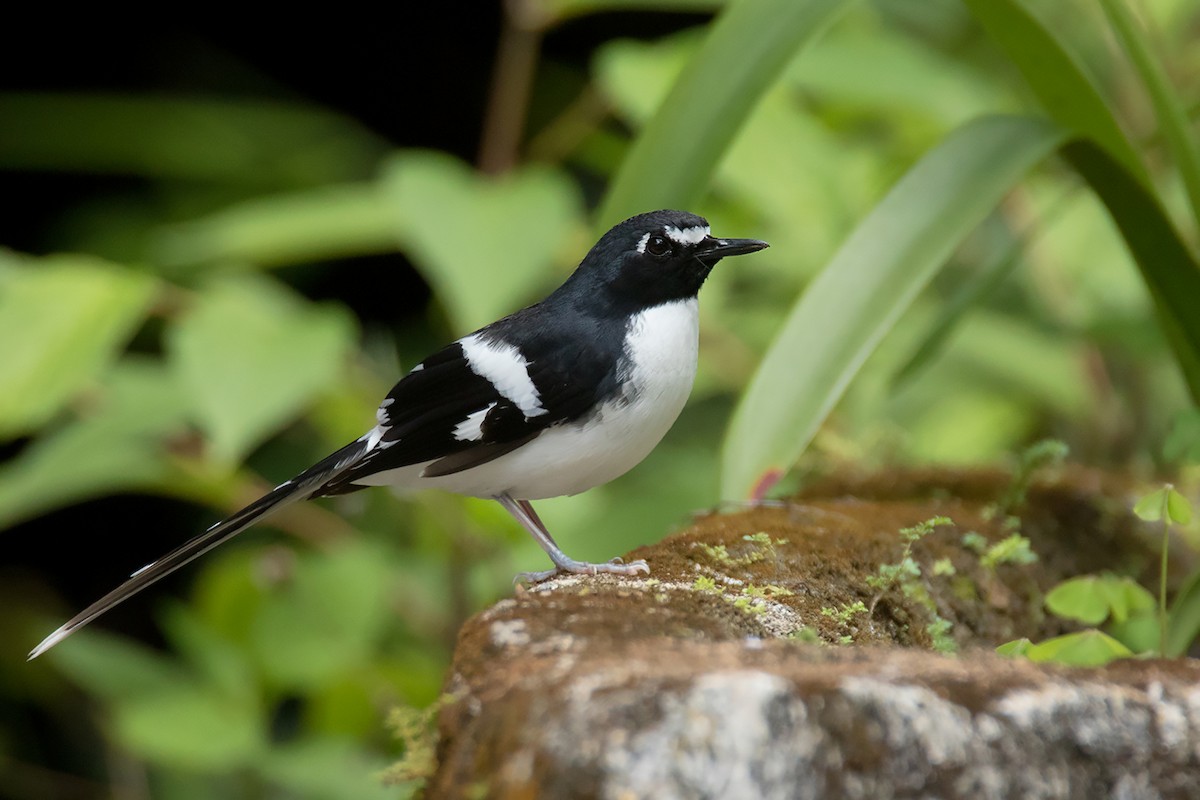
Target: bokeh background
(220,246)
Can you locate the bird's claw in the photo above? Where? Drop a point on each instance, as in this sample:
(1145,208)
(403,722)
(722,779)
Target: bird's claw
(535,577)
(616,566)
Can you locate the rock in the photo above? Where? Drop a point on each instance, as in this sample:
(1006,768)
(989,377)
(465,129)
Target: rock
(703,680)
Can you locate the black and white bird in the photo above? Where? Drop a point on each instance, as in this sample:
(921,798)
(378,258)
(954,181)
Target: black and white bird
(557,398)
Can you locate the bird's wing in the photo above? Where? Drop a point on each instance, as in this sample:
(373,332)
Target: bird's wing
(448,415)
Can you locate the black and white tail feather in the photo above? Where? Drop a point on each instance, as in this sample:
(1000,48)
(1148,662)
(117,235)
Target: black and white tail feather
(302,487)
(557,398)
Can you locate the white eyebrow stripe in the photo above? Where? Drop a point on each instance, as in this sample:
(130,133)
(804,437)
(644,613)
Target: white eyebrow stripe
(641,245)
(693,235)
(503,366)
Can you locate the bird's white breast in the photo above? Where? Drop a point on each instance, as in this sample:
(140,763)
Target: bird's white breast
(660,365)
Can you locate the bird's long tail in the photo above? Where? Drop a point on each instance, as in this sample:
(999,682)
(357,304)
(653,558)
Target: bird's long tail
(301,487)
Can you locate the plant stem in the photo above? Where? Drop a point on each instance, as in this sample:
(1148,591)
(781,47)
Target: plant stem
(1162,574)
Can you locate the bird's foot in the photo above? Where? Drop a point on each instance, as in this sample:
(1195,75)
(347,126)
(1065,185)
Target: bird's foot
(614,567)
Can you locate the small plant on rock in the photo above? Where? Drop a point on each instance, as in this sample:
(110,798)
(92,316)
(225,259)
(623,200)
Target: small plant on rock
(906,573)
(1139,624)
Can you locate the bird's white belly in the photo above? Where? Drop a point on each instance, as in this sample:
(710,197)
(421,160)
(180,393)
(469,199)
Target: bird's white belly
(571,458)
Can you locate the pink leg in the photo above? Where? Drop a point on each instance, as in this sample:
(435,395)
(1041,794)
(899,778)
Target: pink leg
(523,512)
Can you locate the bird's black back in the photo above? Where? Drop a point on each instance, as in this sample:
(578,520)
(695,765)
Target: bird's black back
(573,343)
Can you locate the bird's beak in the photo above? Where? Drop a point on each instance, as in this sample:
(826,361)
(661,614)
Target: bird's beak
(710,250)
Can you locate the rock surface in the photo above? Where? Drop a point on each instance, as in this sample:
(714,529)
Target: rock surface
(715,678)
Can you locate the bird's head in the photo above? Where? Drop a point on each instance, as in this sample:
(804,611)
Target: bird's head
(659,256)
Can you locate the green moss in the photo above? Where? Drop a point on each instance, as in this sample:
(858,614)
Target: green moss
(416,729)
(1014,549)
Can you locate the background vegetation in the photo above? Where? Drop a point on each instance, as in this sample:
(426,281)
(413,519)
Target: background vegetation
(983,217)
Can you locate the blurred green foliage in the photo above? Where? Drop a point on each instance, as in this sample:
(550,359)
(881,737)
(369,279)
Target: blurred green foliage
(964,293)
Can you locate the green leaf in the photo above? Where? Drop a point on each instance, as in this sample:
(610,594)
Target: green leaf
(1168,106)
(112,668)
(872,279)
(1179,510)
(1017,647)
(329,222)
(120,444)
(1167,265)
(215,658)
(1083,649)
(1126,597)
(1066,92)
(1183,441)
(952,312)
(251,356)
(1109,162)
(1150,507)
(326,768)
(883,69)
(191,726)
(1079,598)
(1091,599)
(784,163)
(1183,622)
(159,136)
(484,243)
(1140,632)
(71,315)
(743,55)
(327,620)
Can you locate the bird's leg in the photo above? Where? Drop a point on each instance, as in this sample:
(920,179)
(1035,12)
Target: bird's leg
(523,511)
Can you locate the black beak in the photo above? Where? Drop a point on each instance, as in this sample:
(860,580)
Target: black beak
(710,250)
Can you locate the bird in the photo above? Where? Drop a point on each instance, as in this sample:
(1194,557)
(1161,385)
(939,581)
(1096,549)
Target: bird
(554,399)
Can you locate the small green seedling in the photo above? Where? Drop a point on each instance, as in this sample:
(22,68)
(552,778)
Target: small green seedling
(975,541)
(1090,648)
(944,568)
(1046,453)
(906,573)
(761,547)
(1167,505)
(1091,599)
(1013,549)
(1095,599)
(844,616)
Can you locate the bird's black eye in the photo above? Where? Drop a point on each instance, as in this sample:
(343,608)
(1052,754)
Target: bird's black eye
(658,245)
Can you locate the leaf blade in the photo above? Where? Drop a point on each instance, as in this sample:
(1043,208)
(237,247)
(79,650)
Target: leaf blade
(1168,268)
(1067,93)
(871,280)
(1172,117)
(71,316)
(675,155)
(251,356)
